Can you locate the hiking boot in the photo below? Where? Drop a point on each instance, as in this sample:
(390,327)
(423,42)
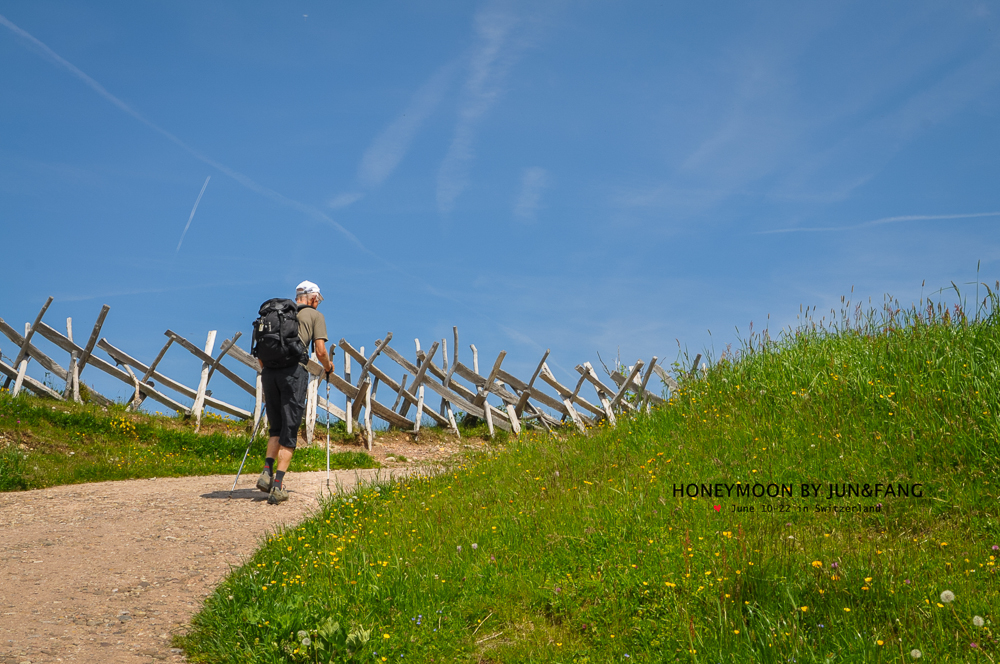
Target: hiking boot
(265,481)
(279,494)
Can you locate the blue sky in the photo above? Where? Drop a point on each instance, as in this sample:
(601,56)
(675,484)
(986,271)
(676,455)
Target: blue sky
(586,177)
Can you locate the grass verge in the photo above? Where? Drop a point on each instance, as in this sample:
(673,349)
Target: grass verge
(45,444)
(582,549)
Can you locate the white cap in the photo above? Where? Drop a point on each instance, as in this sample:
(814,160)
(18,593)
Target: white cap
(307,288)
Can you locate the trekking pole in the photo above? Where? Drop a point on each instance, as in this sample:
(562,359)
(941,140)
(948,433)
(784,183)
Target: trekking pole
(328,433)
(253,435)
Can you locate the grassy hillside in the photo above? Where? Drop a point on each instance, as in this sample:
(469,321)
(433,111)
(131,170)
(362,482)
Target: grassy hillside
(579,549)
(45,443)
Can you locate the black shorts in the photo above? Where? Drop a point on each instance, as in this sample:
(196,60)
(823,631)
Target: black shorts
(285,400)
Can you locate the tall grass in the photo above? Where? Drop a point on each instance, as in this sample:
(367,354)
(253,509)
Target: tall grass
(578,548)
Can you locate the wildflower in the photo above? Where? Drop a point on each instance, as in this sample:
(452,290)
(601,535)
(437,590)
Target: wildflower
(947,596)
(996,547)
(302,634)
(879,642)
(460,548)
(977,621)
(474,546)
(817,563)
(306,641)
(973,645)
(804,609)
(916,654)
(834,565)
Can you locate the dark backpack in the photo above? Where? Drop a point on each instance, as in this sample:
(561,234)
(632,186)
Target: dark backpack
(276,340)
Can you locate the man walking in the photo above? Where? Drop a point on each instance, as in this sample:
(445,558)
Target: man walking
(285,393)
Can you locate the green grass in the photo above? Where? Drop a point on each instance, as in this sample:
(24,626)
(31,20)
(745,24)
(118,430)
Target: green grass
(45,443)
(576,548)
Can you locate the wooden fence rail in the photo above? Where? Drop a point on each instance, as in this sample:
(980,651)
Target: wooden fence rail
(517,403)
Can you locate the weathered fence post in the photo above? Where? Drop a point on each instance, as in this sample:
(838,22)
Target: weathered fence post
(21,361)
(206,368)
(92,341)
(312,393)
(347,403)
(72,374)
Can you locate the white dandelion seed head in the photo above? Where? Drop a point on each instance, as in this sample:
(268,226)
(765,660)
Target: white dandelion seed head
(302,634)
(977,621)
(916,654)
(947,596)
(306,641)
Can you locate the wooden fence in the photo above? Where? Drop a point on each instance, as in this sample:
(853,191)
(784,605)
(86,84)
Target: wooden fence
(460,387)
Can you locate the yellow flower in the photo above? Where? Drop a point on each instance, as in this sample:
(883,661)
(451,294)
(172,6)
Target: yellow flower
(879,642)
(817,563)
(805,608)
(847,609)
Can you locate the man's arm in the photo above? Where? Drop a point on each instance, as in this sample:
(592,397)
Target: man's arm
(321,355)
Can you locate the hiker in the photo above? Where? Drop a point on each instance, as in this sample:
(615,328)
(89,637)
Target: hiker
(285,388)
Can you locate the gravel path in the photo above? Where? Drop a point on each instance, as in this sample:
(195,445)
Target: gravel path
(108,572)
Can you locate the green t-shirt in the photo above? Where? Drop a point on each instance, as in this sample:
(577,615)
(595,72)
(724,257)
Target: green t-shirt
(312,326)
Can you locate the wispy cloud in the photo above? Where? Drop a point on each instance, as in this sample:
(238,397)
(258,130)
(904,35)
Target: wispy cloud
(193,210)
(880,222)
(533,182)
(489,64)
(766,124)
(305,208)
(387,151)
(345,199)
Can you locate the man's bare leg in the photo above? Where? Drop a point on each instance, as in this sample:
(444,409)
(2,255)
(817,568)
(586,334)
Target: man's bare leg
(284,458)
(272,447)
(281,455)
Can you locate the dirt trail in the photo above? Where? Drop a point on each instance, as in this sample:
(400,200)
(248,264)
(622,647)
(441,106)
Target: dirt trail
(108,572)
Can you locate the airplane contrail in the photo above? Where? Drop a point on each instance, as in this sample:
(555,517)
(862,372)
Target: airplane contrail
(879,222)
(193,210)
(236,175)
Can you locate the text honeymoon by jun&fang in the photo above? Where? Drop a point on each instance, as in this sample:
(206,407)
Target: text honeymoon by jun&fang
(829,491)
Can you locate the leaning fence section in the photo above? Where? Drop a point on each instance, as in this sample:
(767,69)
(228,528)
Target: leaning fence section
(433,384)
